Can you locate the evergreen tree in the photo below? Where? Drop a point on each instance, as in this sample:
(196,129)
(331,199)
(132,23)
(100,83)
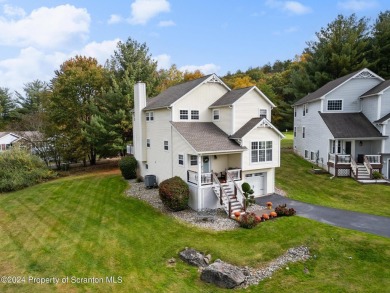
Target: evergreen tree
(381,45)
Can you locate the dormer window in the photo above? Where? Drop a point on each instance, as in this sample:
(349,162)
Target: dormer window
(335,105)
(149,116)
(215,115)
(263,113)
(183,114)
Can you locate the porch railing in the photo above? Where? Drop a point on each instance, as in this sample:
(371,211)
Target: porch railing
(206,178)
(224,200)
(235,174)
(237,190)
(339,159)
(355,169)
(373,159)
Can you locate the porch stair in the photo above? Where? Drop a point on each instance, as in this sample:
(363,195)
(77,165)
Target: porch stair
(236,206)
(362,173)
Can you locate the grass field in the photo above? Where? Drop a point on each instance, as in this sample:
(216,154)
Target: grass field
(84,226)
(295,178)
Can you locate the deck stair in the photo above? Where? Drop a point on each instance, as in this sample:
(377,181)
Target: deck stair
(363,173)
(235,205)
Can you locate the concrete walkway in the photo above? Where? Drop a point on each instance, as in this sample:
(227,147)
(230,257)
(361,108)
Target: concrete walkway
(341,218)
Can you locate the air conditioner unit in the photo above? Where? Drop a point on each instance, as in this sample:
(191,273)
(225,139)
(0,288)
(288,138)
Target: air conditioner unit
(150,181)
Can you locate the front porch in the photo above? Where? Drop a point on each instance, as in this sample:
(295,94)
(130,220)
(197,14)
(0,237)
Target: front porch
(360,168)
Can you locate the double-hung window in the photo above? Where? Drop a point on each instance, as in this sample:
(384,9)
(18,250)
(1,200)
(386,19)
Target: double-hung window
(263,113)
(303,132)
(166,145)
(335,105)
(181,160)
(149,116)
(261,151)
(193,160)
(215,115)
(194,114)
(183,114)
(148,142)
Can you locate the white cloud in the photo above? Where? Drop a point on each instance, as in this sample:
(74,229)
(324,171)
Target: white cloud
(46,27)
(114,18)
(13,11)
(206,68)
(166,23)
(163,61)
(29,65)
(101,51)
(292,7)
(357,5)
(144,10)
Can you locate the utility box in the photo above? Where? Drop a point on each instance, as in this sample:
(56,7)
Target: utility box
(150,181)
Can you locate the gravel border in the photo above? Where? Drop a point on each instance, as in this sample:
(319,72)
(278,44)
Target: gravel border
(214,219)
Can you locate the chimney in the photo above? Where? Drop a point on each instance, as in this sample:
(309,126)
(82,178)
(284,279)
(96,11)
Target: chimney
(139,121)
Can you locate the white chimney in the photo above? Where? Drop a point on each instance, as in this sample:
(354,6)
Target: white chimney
(139,122)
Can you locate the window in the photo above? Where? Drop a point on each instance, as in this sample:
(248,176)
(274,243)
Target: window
(261,151)
(215,114)
(263,113)
(148,142)
(295,131)
(149,116)
(183,114)
(306,154)
(335,105)
(181,160)
(193,160)
(166,147)
(194,114)
(295,111)
(304,110)
(303,132)
(312,156)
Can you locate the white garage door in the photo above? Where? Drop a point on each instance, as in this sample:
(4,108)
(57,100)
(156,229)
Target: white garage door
(256,181)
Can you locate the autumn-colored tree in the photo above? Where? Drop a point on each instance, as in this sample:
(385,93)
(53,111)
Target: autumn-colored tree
(169,77)
(77,85)
(191,75)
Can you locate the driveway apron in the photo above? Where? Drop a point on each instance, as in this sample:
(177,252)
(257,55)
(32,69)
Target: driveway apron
(341,218)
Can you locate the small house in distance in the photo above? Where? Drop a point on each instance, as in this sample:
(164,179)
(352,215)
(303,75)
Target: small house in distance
(212,137)
(343,126)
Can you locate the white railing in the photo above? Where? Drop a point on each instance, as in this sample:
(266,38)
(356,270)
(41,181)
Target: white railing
(224,200)
(343,159)
(373,159)
(205,179)
(354,167)
(235,174)
(331,157)
(237,190)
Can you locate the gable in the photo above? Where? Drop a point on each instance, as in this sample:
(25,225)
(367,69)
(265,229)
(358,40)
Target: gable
(7,137)
(252,124)
(334,84)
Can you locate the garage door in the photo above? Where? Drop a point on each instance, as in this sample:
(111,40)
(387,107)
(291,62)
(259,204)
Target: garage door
(257,182)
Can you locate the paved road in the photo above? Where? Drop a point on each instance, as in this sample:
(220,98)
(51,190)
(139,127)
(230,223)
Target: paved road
(352,220)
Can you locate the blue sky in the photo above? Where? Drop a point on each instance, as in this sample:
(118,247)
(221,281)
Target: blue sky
(213,36)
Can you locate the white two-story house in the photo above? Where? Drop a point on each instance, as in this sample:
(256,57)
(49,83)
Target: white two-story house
(212,137)
(342,126)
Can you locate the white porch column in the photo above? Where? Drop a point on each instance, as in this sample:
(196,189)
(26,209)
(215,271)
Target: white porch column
(199,181)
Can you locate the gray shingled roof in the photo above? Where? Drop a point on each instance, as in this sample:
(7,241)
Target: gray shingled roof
(325,89)
(350,125)
(377,89)
(383,119)
(246,128)
(230,97)
(172,94)
(206,137)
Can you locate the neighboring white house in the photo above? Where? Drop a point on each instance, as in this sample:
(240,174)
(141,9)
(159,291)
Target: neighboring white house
(212,137)
(342,126)
(7,140)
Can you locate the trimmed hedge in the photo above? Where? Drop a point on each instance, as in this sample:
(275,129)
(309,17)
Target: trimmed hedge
(174,193)
(20,169)
(128,167)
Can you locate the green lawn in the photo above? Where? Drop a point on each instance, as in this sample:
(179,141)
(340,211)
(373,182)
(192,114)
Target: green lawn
(295,178)
(85,227)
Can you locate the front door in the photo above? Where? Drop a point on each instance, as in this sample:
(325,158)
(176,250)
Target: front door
(348,147)
(206,164)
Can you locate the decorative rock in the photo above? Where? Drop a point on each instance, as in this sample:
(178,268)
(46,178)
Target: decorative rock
(223,275)
(193,257)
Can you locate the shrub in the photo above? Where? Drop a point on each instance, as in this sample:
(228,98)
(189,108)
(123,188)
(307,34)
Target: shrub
(174,193)
(128,167)
(20,169)
(282,210)
(249,220)
(247,190)
(377,175)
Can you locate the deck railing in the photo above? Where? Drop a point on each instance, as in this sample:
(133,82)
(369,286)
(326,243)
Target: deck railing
(237,190)
(235,174)
(206,178)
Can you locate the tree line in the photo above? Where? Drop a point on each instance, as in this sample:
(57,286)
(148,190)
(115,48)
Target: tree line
(84,112)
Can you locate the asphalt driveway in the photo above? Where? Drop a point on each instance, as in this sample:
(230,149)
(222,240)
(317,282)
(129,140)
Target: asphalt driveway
(341,218)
